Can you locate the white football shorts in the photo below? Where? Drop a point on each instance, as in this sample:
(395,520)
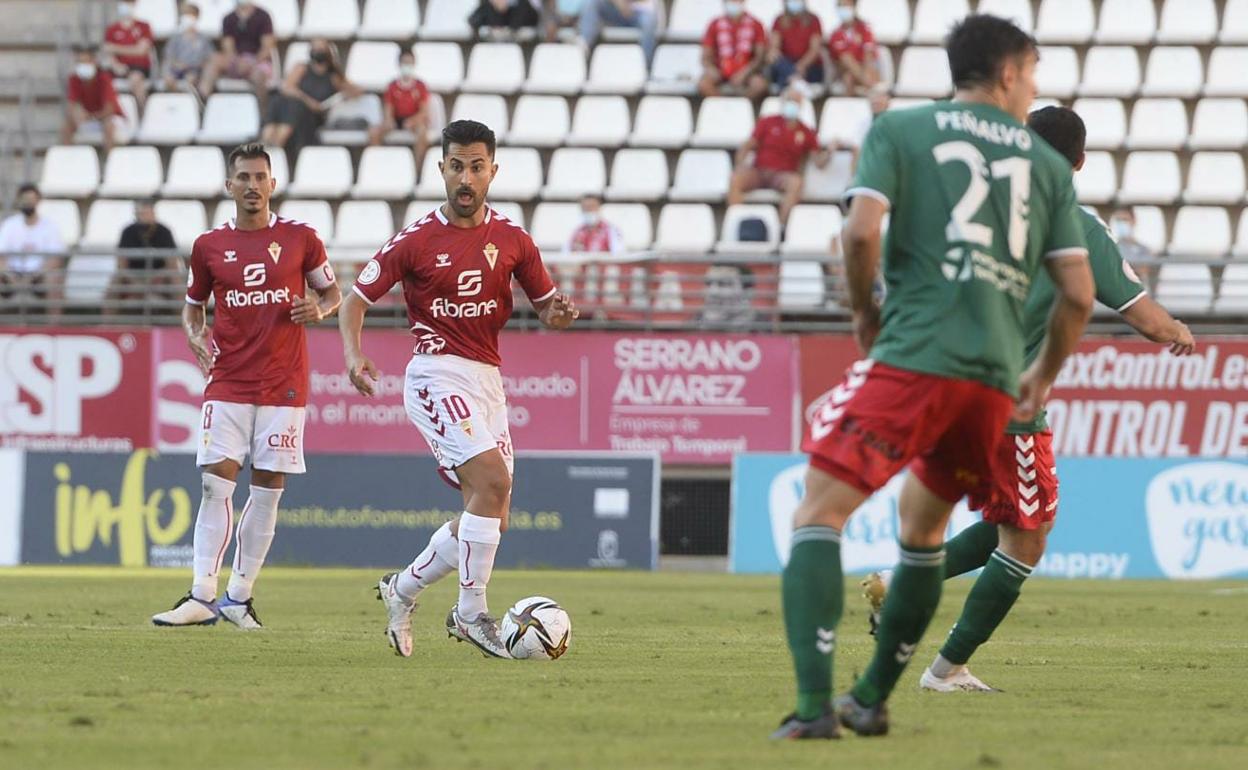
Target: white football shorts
(272,435)
(459,407)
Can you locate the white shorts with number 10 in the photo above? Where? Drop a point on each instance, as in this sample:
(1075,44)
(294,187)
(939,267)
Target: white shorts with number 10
(460,408)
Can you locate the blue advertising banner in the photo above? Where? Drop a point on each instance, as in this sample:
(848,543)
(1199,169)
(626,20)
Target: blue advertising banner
(1118,518)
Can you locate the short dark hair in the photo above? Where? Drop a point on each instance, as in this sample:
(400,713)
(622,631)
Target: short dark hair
(87,49)
(249,151)
(978,46)
(1062,128)
(466,132)
(28,187)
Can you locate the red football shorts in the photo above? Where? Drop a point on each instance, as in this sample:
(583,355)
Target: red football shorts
(881,419)
(1023,493)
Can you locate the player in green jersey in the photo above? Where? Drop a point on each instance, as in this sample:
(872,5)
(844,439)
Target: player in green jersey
(979,206)
(1024,497)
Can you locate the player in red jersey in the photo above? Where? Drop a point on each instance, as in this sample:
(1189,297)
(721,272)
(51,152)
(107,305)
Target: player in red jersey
(456,265)
(257,267)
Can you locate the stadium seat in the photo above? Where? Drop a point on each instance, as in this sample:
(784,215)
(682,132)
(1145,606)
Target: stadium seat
(573,172)
(1057,74)
(72,171)
(889,19)
(64,214)
(280,168)
(1097,182)
(728,241)
(169,119)
(87,278)
(1132,22)
(160,15)
(105,221)
(766,11)
(772,105)
(934,18)
(556,68)
(510,209)
(446,20)
(230,119)
(1201,231)
(723,121)
(1105,120)
(373,64)
(616,69)
(285,15)
(519,174)
(1065,21)
(634,222)
(844,121)
(395,20)
(1157,124)
(222,213)
(553,224)
(297,52)
(1173,71)
(1110,71)
(600,121)
(1188,21)
(638,175)
(800,285)
(1233,291)
(387,173)
(1240,249)
(1184,288)
(1215,177)
(540,121)
(430,186)
(195,172)
(687,20)
(495,68)
(1150,227)
(810,229)
(127,125)
(1219,124)
(1234,23)
(132,172)
(1227,66)
(701,175)
(685,228)
(923,72)
(1150,177)
(315,214)
(662,121)
(676,69)
(212,13)
(439,65)
(333,19)
(489,109)
(419,209)
(1018,11)
(185,219)
(322,172)
(361,227)
(829,183)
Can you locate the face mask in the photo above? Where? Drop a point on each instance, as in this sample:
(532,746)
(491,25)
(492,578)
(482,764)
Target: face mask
(795,6)
(790,110)
(28,211)
(1121,227)
(591,218)
(846,14)
(84,70)
(186,23)
(320,57)
(408,71)
(125,10)
(733,9)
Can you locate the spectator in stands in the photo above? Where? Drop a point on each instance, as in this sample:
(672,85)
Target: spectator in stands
(780,145)
(128,44)
(594,235)
(734,51)
(28,245)
(641,14)
(187,53)
(1137,255)
(247,49)
(500,15)
(729,297)
(135,271)
(406,106)
(854,53)
(91,97)
(299,109)
(796,48)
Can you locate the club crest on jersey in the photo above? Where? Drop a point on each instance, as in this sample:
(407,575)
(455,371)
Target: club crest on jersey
(231,256)
(491,254)
(443,260)
(275,251)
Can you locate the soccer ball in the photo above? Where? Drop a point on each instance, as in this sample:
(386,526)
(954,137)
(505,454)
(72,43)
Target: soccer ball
(537,628)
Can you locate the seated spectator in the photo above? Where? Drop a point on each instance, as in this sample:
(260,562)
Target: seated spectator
(299,109)
(734,50)
(91,97)
(853,50)
(406,106)
(247,49)
(499,16)
(594,235)
(187,53)
(28,245)
(780,145)
(641,14)
(128,44)
(796,48)
(136,271)
(728,301)
(1137,255)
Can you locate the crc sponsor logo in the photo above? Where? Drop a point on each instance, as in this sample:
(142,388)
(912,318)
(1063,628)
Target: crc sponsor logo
(254,274)
(257,298)
(444,308)
(44,380)
(1198,520)
(287,440)
(470,282)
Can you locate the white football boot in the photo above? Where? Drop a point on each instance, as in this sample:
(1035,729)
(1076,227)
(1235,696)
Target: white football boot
(961,680)
(241,614)
(189,611)
(481,632)
(399,625)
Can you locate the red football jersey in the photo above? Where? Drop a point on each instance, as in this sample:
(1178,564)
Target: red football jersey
(407,100)
(855,39)
(796,33)
(127,36)
(457,281)
(781,147)
(260,356)
(733,42)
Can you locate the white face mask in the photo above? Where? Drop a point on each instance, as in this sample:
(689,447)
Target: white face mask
(846,14)
(790,109)
(84,70)
(1121,227)
(407,71)
(734,9)
(590,218)
(187,22)
(795,6)
(125,10)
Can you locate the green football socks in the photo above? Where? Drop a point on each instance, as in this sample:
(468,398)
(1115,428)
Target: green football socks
(990,600)
(970,549)
(814,594)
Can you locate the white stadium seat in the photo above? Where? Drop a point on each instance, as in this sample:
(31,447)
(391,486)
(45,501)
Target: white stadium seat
(389,20)
(829,183)
(540,121)
(285,15)
(1188,21)
(1057,74)
(1201,231)
(701,175)
(573,172)
(372,65)
(322,172)
(489,109)
(195,172)
(1110,71)
(800,284)
(1157,124)
(431,185)
(1227,66)
(1106,121)
(105,221)
(185,219)
(1184,288)
(634,222)
(553,224)
(600,121)
(297,52)
(1173,71)
(169,119)
(87,277)
(127,123)
(1097,181)
(556,68)
(1018,11)
(662,121)
(222,213)
(1150,177)
(685,228)
(1127,21)
(1241,235)
(1219,124)
(1150,227)
(676,69)
(810,229)
(1215,177)
(1234,28)
(924,72)
(64,214)
(160,15)
(230,119)
(934,18)
(212,13)
(132,172)
(362,227)
(638,175)
(333,19)
(889,19)
(687,20)
(388,173)
(728,241)
(419,209)
(280,168)
(513,211)
(1065,21)
(315,214)
(844,121)
(439,65)
(446,20)
(495,68)
(723,121)
(519,174)
(765,11)
(71,171)
(1233,291)
(616,69)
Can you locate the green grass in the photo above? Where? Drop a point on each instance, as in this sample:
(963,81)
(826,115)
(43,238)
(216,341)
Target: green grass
(665,671)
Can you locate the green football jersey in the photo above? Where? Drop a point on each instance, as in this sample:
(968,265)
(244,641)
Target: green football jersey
(1117,287)
(977,201)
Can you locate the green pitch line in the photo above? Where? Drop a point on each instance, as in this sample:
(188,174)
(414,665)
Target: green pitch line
(665,671)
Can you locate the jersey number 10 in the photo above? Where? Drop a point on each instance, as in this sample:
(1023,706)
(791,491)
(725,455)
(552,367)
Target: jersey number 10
(1016,170)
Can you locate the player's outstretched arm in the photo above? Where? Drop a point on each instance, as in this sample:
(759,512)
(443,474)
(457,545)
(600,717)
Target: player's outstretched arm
(198,335)
(558,312)
(1155,323)
(1075,294)
(861,239)
(360,369)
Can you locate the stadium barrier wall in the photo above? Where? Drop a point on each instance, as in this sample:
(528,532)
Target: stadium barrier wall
(1117,518)
(134,509)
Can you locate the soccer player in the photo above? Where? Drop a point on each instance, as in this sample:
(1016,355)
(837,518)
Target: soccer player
(978,203)
(1023,497)
(257,267)
(456,265)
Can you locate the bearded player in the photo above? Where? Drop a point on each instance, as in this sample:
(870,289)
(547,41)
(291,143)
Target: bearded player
(979,205)
(1023,500)
(257,266)
(456,265)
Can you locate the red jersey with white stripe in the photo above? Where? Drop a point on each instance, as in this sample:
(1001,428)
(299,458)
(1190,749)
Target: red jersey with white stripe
(457,281)
(260,356)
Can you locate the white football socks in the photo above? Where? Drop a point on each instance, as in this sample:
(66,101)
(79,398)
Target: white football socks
(212,535)
(478,542)
(255,534)
(439,559)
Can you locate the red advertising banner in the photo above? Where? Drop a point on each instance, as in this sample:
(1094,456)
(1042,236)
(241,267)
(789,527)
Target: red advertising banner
(75,389)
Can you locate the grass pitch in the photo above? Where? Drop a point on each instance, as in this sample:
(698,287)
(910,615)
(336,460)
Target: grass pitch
(665,671)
